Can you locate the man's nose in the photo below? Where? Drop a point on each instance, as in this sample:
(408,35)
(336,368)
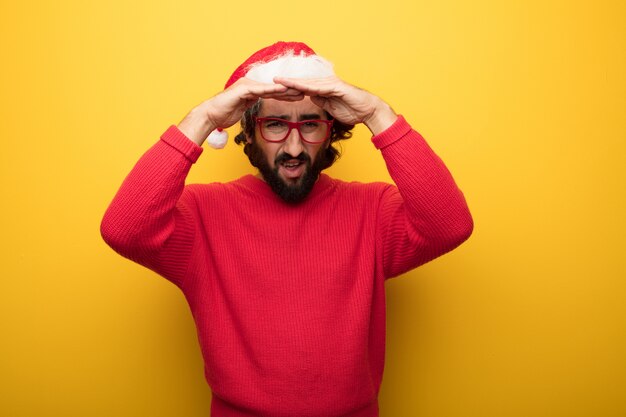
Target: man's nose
(293,144)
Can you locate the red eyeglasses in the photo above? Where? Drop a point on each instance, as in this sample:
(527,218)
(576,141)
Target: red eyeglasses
(277,130)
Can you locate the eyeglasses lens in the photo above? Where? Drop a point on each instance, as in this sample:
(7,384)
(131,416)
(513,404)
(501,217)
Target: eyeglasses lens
(311,130)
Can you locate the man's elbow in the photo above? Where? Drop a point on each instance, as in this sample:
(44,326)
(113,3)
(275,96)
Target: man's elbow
(115,233)
(462,231)
(111,234)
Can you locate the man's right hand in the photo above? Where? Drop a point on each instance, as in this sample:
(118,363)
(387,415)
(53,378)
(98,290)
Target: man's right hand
(226,108)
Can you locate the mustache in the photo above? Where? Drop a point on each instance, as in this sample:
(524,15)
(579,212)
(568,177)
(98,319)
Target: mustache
(304,157)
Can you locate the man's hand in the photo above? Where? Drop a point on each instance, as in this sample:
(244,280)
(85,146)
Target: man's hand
(345,102)
(226,108)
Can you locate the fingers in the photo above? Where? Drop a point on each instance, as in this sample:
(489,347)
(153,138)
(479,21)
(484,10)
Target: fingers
(288,95)
(275,91)
(320,102)
(311,86)
(290,89)
(262,90)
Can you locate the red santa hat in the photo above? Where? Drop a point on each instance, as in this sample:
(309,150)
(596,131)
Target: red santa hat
(282,59)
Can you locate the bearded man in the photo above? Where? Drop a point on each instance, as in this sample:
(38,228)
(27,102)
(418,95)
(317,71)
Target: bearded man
(284,271)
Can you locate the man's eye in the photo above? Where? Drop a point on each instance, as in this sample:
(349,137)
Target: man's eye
(308,127)
(275,124)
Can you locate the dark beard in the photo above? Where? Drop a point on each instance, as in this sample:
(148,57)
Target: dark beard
(290,193)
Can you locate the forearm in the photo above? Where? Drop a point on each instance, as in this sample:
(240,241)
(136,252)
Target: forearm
(197,125)
(381,118)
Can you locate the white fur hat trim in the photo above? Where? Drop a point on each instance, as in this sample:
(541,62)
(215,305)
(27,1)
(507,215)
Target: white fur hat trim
(292,66)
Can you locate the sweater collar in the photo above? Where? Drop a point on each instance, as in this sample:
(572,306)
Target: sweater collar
(322,185)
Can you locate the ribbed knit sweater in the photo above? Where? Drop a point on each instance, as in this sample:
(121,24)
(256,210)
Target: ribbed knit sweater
(288,300)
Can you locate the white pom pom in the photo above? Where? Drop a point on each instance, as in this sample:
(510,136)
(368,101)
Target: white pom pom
(217,139)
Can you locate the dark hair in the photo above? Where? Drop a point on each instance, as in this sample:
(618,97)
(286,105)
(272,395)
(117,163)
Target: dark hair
(339,131)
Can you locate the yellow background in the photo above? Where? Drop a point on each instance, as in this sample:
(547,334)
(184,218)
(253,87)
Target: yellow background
(524,100)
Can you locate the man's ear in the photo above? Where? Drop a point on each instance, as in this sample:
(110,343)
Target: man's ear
(248,139)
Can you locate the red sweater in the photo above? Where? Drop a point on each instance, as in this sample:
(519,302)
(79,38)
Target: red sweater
(288,300)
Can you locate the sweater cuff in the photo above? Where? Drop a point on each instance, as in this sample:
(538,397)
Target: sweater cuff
(396,131)
(177,140)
